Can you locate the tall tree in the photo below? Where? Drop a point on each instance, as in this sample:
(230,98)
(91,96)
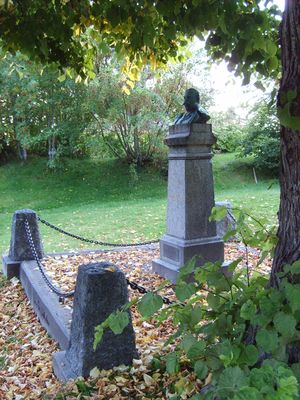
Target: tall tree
(288,248)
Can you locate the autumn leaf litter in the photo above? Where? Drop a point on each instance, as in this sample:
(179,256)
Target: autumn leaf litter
(26,348)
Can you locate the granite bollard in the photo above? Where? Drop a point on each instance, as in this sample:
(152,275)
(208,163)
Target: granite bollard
(19,247)
(101,288)
(228,222)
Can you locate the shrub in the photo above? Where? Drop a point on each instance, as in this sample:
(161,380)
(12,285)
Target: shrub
(262,139)
(229,130)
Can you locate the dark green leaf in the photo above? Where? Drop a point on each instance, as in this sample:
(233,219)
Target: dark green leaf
(248,310)
(249,355)
(229,234)
(196,350)
(150,304)
(187,342)
(292,292)
(248,393)
(285,324)
(200,369)
(213,301)
(267,340)
(231,380)
(184,290)
(172,363)
(186,270)
(118,321)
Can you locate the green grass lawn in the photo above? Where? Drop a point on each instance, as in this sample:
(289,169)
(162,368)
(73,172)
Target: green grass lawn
(105,200)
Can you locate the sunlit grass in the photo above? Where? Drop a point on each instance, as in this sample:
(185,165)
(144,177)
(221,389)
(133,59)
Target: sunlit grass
(104,200)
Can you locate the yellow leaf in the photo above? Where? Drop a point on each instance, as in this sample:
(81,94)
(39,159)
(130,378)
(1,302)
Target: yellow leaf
(208,379)
(148,380)
(126,90)
(94,373)
(130,84)
(110,269)
(77,30)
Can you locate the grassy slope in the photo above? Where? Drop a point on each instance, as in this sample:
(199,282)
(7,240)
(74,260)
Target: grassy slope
(234,182)
(102,199)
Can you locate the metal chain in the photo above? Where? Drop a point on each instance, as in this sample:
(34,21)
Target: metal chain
(231,215)
(143,290)
(62,295)
(95,241)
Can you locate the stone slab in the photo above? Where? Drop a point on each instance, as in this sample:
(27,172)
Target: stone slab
(53,315)
(11,269)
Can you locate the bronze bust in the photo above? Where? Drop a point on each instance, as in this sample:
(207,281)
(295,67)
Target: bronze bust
(194,113)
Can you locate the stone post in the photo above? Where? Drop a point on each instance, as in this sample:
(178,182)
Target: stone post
(190,200)
(101,288)
(19,247)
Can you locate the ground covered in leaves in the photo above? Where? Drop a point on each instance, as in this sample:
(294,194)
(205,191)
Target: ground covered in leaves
(26,348)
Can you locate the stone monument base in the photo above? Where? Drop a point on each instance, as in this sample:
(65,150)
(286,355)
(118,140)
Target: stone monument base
(175,252)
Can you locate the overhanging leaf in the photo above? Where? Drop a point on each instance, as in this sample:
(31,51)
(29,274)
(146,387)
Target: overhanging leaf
(118,321)
(149,304)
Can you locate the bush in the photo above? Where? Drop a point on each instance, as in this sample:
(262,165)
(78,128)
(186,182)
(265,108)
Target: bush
(262,140)
(229,130)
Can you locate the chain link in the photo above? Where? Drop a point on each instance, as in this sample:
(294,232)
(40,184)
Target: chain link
(56,228)
(63,295)
(231,215)
(143,290)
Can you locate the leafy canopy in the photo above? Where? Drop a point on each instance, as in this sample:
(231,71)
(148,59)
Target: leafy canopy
(72,32)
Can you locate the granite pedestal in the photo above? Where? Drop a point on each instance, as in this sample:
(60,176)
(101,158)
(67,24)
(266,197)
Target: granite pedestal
(190,200)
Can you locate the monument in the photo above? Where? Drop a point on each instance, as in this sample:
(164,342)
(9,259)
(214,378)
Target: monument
(190,193)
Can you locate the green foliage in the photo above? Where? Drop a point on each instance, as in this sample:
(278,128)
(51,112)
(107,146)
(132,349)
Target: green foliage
(229,129)
(243,33)
(116,322)
(44,114)
(38,112)
(262,138)
(233,331)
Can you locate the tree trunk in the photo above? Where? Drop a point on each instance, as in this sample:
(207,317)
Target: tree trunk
(288,247)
